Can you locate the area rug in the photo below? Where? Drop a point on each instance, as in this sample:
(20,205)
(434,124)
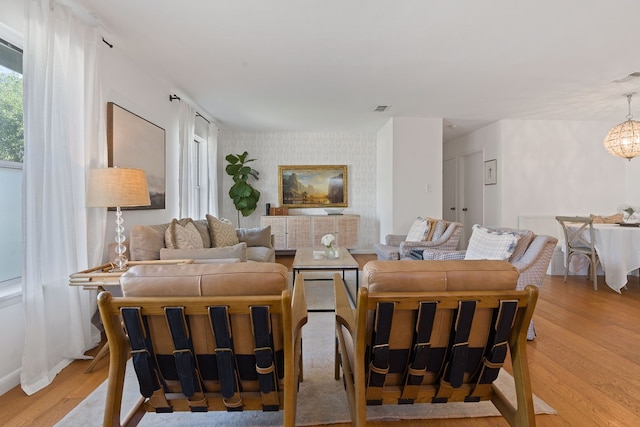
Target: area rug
(321,399)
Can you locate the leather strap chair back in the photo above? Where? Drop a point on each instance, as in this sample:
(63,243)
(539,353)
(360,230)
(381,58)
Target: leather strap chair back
(434,332)
(203,338)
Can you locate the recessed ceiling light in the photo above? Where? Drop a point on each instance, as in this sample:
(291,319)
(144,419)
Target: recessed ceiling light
(381,108)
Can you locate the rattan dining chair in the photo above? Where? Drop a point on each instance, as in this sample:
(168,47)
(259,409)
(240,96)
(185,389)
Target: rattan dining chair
(579,239)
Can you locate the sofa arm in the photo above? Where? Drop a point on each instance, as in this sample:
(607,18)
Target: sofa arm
(535,261)
(394,239)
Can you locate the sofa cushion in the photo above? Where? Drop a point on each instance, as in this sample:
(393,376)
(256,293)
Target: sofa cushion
(238,251)
(223,232)
(491,244)
(419,230)
(259,236)
(145,241)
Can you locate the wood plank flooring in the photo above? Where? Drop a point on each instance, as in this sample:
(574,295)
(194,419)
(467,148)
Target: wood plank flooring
(585,363)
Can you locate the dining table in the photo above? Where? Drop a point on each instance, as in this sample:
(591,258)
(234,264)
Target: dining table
(618,248)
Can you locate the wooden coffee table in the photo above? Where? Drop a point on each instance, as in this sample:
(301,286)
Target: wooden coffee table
(304,261)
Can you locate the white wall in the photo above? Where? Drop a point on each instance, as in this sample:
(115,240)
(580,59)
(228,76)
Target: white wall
(271,149)
(139,91)
(562,168)
(412,150)
(550,167)
(384,180)
(488,141)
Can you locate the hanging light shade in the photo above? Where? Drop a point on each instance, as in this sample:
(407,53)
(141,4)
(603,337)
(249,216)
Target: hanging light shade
(624,139)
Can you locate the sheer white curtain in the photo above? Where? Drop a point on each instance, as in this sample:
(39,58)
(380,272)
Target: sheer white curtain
(212,169)
(63,124)
(188,195)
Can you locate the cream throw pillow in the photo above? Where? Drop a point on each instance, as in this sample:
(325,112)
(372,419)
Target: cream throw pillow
(223,232)
(490,244)
(419,230)
(183,235)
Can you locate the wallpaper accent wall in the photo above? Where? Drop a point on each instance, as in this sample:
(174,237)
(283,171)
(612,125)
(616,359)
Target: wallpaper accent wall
(357,150)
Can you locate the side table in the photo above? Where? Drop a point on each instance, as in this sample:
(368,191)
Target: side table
(96,278)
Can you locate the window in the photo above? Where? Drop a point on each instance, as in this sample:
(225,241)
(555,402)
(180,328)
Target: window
(11,158)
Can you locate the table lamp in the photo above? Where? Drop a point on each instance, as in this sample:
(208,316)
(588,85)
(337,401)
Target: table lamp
(117,187)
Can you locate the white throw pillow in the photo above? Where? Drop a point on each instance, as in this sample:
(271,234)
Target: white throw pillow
(491,244)
(419,230)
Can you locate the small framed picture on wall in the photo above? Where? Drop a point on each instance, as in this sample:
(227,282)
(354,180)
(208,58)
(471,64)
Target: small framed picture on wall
(491,172)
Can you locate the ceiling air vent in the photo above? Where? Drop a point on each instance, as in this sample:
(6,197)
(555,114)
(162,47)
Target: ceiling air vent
(381,108)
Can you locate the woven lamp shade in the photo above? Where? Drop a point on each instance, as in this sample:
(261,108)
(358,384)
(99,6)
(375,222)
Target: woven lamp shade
(112,187)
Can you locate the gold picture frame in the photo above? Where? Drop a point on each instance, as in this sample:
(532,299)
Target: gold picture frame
(313,186)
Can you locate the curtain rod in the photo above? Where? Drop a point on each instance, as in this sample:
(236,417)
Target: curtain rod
(172,97)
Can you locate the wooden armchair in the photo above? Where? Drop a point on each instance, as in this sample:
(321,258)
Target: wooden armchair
(423,333)
(223,337)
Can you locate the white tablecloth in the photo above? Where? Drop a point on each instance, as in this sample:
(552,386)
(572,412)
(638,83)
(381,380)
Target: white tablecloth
(619,251)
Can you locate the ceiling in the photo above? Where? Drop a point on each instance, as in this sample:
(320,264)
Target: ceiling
(325,65)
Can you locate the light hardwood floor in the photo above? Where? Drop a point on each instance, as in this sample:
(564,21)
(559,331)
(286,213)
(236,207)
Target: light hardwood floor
(585,363)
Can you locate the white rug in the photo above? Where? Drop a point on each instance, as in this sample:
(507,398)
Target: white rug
(321,399)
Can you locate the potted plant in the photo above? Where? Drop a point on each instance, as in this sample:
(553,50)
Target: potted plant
(245,197)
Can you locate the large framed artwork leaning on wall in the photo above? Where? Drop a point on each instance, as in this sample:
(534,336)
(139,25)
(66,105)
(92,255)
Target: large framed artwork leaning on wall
(134,142)
(313,186)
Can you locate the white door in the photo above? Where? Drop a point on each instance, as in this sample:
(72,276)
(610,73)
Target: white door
(449,190)
(471,193)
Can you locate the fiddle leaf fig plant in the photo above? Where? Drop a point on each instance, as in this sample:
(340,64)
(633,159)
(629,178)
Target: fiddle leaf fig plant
(245,197)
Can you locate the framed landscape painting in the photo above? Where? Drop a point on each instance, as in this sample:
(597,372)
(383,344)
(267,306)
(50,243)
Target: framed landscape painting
(134,142)
(313,186)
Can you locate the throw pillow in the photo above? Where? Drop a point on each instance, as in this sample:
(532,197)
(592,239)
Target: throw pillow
(223,232)
(183,234)
(491,244)
(418,231)
(438,230)
(255,236)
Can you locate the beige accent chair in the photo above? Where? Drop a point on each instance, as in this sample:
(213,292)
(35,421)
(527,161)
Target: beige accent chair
(578,240)
(434,332)
(531,257)
(205,337)
(396,247)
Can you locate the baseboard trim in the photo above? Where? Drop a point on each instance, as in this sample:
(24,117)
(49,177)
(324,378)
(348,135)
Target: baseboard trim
(10,380)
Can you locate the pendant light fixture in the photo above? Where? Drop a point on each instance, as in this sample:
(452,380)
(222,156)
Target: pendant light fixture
(624,139)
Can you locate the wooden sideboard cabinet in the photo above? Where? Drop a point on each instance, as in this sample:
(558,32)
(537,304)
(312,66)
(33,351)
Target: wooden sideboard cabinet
(298,231)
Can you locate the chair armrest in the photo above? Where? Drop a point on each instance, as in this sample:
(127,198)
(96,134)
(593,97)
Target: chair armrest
(394,239)
(440,255)
(535,261)
(298,304)
(345,314)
